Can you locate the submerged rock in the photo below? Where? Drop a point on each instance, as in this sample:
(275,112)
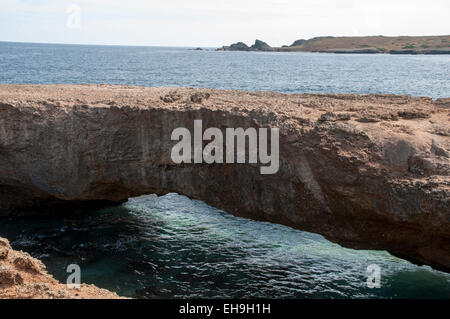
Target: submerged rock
(367,172)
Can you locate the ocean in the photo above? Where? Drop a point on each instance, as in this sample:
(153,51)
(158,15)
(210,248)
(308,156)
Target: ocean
(254,71)
(175,247)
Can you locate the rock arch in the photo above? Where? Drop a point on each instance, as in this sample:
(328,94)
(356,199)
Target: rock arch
(361,170)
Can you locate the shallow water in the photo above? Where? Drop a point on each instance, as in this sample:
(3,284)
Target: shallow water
(171,246)
(269,71)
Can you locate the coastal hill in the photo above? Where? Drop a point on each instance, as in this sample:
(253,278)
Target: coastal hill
(370,44)
(367,172)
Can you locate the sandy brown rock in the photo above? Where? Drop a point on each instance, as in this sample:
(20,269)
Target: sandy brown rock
(23,277)
(367,172)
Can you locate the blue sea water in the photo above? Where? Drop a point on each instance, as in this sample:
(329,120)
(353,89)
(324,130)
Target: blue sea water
(270,71)
(175,247)
(171,246)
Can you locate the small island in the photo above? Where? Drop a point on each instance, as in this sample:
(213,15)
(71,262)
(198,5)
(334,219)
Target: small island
(369,44)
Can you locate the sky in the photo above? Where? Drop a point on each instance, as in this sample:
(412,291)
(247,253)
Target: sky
(213,23)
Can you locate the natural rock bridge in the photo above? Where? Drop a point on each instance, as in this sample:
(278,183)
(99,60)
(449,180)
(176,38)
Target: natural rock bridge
(366,172)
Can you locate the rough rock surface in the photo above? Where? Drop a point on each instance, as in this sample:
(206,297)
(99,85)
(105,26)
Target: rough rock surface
(366,172)
(368,44)
(23,277)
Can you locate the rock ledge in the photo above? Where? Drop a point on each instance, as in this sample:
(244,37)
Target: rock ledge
(23,277)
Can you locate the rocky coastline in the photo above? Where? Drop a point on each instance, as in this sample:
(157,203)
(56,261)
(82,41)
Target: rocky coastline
(431,45)
(367,172)
(24,277)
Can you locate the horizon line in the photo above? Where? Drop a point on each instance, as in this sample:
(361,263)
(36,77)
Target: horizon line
(213,47)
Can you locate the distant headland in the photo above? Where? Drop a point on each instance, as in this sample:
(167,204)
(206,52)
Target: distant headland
(369,44)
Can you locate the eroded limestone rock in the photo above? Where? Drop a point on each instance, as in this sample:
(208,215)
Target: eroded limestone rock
(375,177)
